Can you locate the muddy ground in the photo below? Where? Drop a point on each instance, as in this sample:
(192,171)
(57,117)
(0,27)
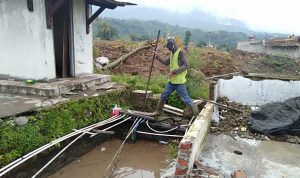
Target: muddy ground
(142,159)
(212,61)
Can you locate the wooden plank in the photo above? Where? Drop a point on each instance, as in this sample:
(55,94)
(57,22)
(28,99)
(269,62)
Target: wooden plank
(30,5)
(65,52)
(87,16)
(49,18)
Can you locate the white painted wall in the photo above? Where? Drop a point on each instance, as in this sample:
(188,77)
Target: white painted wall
(256,93)
(26,45)
(83,43)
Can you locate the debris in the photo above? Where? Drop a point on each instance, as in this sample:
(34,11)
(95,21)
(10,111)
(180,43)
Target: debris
(20,121)
(103,149)
(237,152)
(102,60)
(243,129)
(239,174)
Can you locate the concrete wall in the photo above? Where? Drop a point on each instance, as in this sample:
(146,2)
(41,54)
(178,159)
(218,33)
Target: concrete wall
(26,45)
(83,43)
(193,141)
(256,93)
(259,47)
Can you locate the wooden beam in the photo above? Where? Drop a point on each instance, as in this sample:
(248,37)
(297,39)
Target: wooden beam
(87,16)
(95,15)
(30,5)
(56,6)
(49,18)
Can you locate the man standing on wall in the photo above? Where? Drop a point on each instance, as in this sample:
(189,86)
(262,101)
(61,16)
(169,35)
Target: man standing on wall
(177,77)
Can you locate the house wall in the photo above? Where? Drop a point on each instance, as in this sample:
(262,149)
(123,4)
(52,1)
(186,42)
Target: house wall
(259,47)
(26,45)
(256,93)
(83,44)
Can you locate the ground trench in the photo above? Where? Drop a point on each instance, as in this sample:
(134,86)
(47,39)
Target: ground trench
(85,145)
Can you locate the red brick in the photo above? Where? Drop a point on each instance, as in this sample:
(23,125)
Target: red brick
(180,171)
(185,146)
(182,162)
(239,174)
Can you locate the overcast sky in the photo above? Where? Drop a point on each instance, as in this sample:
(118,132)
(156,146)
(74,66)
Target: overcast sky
(260,15)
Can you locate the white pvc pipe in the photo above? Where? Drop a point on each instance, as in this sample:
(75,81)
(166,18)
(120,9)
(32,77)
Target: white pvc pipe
(173,108)
(24,158)
(49,162)
(172,112)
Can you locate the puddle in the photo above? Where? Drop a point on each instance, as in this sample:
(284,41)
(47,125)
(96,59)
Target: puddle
(141,159)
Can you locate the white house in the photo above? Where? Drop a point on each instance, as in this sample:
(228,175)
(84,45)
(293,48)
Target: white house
(47,39)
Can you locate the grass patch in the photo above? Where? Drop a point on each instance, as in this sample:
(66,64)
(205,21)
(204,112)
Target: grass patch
(52,123)
(172,150)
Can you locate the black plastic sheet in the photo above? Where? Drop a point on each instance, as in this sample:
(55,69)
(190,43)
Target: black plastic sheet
(279,118)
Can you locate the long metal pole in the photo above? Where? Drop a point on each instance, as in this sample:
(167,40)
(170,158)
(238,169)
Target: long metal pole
(156,44)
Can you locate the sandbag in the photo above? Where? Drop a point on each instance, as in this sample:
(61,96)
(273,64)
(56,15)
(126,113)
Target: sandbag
(279,118)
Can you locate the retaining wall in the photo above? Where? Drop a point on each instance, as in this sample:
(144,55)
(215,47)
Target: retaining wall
(193,141)
(256,93)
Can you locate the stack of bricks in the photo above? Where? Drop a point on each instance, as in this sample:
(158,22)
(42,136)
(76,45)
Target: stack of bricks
(183,160)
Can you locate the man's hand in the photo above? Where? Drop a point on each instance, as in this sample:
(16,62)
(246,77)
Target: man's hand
(171,74)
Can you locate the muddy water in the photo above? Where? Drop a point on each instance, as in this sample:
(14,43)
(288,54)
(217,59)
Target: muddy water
(141,159)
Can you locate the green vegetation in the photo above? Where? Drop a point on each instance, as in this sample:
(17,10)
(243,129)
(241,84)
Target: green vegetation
(187,37)
(196,85)
(277,63)
(105,31)
(137,30)
(172,150)
(52,123)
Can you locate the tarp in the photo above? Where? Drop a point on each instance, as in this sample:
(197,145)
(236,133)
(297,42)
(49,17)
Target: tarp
(279,118)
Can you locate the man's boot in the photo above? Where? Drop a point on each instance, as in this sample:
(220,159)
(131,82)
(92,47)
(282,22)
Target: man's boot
(159,108)
(195,110)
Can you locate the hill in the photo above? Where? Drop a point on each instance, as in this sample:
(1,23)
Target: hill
(143,30)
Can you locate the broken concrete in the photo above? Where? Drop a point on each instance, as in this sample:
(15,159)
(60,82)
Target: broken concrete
(264,159)
(61,86)
(193,141)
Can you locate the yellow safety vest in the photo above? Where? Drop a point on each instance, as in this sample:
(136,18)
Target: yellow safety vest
(178,78)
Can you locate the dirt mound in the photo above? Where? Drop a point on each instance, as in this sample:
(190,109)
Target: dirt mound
(216,62)
(137,64)
(212,61)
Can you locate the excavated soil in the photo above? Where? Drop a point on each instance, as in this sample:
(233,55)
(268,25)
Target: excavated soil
(234,123)
(212,61)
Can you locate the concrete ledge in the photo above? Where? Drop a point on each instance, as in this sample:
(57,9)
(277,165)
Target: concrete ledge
(58,87)
(193,141)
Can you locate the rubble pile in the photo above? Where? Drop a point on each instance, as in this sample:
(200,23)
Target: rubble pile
(234,123)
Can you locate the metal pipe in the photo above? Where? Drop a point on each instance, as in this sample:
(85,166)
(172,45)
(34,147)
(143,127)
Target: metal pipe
(151,67)
(158,134)
(134,125)
(24,158)
(112,126)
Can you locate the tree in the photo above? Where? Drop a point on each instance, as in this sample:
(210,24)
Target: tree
(201,44)
(106,31)
(187,37)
